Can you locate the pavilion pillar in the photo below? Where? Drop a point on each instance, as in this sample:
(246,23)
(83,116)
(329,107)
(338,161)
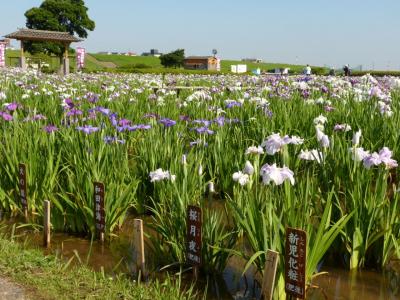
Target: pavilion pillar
(22,61)
(66,61)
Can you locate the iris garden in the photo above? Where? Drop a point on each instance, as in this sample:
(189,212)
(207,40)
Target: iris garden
(257,153)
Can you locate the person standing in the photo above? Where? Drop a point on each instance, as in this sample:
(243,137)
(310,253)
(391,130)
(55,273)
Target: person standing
(346,70)
(308,70)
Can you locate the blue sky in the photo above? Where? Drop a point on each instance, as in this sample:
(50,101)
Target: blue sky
(318,32)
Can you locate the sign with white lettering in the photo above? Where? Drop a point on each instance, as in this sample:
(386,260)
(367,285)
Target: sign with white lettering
(80,58)
(295,262)
(193,237)
(2,54)
(99,213)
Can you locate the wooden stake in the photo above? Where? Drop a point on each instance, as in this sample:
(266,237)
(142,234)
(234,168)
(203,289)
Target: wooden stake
(195,272)
(271,265)
(46,225)
(102,237)
(139,246)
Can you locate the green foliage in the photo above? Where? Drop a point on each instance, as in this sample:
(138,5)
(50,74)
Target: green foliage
(173,59)
(47,277)
(66,16)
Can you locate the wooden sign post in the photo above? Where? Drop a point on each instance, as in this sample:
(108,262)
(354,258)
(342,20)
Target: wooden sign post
(99,212)
(193,238)
(295,262)
(23,189)
(271,264)
(139,246)
(46,223)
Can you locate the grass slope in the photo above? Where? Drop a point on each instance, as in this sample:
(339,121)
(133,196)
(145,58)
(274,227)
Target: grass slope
(46,277)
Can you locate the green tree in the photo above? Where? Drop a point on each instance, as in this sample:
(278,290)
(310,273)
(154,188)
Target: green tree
(58,15)
(173,59)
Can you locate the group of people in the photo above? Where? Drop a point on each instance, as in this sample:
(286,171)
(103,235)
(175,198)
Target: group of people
(346,70)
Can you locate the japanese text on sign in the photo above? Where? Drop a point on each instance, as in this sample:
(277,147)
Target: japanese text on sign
(99,212)
(194,223)
(22,185)
(80,57)
(295,262)
(2,54)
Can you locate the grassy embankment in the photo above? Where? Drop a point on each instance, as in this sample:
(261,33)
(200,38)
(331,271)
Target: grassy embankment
(48,277)
(142,64)
(149,64)
(152,64)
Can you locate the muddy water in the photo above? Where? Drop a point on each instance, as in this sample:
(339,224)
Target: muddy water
(115,256)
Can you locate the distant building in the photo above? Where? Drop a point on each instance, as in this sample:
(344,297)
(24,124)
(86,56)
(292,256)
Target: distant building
(153,52)
(238,69)
(209,63)
(252,60)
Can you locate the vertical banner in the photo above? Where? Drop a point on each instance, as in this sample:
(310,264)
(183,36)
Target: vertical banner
(80,58)
(193,236)
(22,187)
(295,262)
(2,54)
(99,213)
(218,64)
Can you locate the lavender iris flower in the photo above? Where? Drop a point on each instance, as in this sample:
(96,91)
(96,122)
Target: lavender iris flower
(220,121)
(233,104)
(50,128)
(167,122)
(12,106)
(204,129)
(88,129)
(124,122)
(74,112)
(104,111)
(6,116)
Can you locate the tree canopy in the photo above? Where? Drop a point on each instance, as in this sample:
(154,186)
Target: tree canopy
(58,15)
(173,59)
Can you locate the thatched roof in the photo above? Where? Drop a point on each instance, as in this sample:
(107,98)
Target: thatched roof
(42,35)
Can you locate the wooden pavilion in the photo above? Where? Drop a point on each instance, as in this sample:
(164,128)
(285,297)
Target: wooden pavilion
(34,35)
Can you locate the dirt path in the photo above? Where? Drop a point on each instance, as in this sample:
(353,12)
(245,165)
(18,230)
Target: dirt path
(104,64)
(11,291)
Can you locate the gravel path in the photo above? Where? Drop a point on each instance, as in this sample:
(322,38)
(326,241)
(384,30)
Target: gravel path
(11,291)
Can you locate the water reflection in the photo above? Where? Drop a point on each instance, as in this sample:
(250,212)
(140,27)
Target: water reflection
(116,256)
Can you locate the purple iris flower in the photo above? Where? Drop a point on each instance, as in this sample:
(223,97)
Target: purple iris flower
(13,106)
(113,119)
(39,117)
(124,122)
(184,118)
(6,116)
(233,104)
(69,103)
(92,97)
(88,129)
(50,128)
(74,112)
(167,122)
(143,126)
(104,111)
(220,121)
(204,129)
